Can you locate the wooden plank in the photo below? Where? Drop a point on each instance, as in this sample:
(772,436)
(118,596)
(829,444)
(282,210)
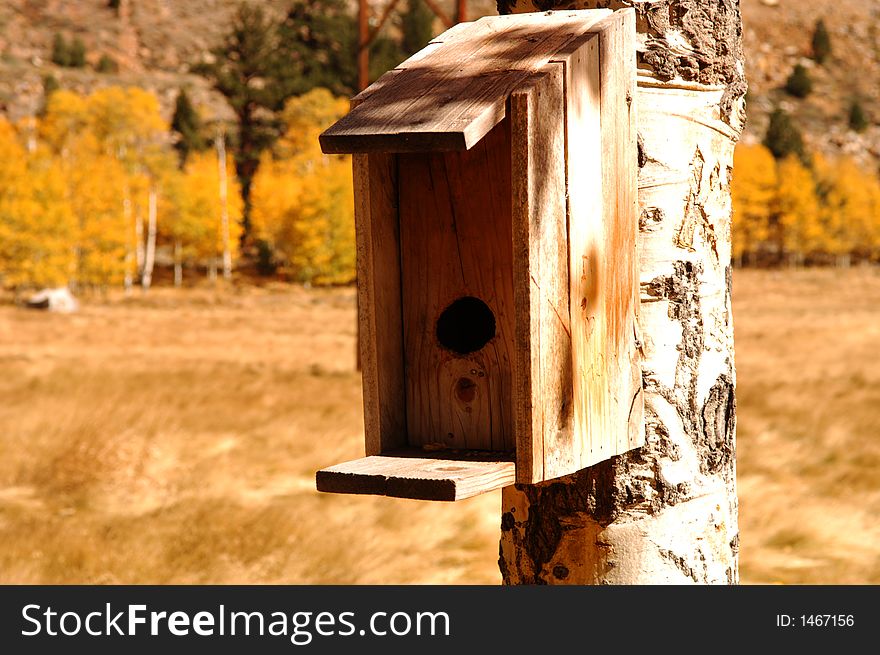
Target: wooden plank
(602,236)
(410,474)
(454,95)
(379,315)
(543,380)
(618,72)
(585,224)
(456,242)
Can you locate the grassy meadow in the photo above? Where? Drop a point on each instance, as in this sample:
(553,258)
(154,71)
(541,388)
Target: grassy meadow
(173,438)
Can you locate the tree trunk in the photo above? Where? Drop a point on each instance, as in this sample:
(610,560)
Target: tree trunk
(224,206)
(139,242)
(129,251)
(150,256)
(178,264)
(665,513)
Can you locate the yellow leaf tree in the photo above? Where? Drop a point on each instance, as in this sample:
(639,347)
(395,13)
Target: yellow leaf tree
(752,191)
(113,146)
(800,230)
(95,191)
(302,202)
(850,208)
(37,228)
(195,211)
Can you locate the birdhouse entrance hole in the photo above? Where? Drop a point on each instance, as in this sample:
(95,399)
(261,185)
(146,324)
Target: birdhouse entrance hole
(466,326)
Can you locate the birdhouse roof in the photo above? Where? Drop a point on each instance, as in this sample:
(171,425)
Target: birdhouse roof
(449,95)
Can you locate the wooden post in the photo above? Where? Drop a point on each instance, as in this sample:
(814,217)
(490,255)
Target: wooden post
(667,512)
(461,11)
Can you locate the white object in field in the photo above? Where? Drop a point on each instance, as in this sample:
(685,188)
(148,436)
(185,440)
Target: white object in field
(54,300)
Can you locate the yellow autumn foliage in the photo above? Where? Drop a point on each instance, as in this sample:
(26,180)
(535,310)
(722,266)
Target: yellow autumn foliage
(797,210)
(113,147)
(75,184)
(194,208)
(752,192)
(302,201)
(95,187)
(37,227)
(827,212)
(851,207)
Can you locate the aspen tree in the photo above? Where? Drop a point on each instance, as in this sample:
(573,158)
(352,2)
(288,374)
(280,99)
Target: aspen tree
(797,211)
(752,191)
(37,227)
(667,512)
(302,200)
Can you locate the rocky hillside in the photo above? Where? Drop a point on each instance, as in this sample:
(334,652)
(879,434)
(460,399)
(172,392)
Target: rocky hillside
(156,42)
(777,36)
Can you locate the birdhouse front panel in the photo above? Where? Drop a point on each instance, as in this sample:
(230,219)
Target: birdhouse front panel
(496,220)
(456,254)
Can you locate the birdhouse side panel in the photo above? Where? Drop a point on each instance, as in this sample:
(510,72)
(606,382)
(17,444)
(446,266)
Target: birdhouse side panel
(377,236)
(544,421)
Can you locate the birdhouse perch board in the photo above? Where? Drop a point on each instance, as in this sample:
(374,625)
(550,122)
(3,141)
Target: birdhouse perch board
(496,220)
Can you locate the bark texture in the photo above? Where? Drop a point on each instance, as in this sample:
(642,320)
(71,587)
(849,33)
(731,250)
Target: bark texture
(665,513)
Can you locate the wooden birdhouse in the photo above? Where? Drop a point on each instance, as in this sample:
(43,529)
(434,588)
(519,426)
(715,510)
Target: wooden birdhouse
(496,218)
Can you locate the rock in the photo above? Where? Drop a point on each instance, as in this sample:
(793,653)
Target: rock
(54,300)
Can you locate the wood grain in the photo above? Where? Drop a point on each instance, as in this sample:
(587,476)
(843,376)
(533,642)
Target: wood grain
(456,241)
(380,323)
(543,380)
(410,474)
(537,217)
(618,60)
(601,154)
(453,95)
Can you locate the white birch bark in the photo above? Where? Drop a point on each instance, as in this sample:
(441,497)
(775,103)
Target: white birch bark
(150,255)
(178,264)
(220,142)
(139,242)
(130,248)
(665,513)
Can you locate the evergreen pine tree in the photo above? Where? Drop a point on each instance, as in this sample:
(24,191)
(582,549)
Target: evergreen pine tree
(319,45)
(250,72)
(60,51)
(858,121)
(799,83)
(188,126)
(106,64)
(417,26)
(821,42)
(50,85)
(77,53)
(783,138)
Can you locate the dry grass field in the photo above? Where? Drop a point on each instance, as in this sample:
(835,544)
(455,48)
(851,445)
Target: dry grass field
(174,438)
(808,385)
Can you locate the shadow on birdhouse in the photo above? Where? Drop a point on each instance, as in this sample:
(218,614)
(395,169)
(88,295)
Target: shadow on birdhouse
(496,219)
